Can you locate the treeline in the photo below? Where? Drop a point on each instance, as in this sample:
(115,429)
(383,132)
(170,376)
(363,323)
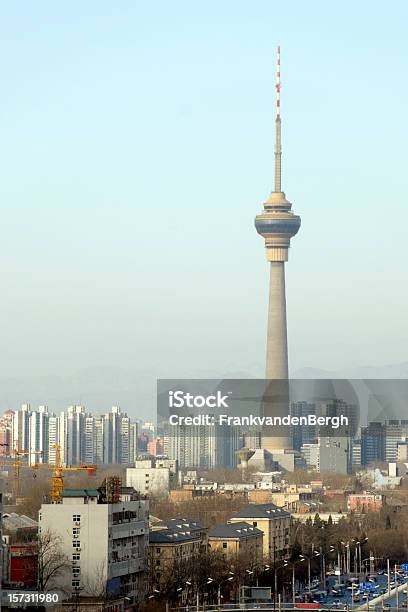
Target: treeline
(210,511)
(383,535)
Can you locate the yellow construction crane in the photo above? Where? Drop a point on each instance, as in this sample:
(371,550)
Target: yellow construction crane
(57,486)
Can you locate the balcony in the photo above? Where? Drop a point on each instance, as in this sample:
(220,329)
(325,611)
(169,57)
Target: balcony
(134,528)
(126,566)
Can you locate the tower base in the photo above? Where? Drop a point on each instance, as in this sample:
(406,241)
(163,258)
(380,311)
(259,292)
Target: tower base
(276,460)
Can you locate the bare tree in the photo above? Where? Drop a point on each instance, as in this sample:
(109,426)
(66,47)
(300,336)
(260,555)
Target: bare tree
(52,561)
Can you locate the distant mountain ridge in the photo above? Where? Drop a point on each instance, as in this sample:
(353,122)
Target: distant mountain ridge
(98,388)
(399,370)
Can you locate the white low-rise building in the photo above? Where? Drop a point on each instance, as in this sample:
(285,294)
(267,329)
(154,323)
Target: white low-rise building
(153,476)
(149,480)
(106,544)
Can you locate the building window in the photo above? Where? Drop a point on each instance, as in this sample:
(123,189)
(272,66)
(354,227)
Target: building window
(76,531)
(76,571)
(224,545)
(255,524)
(76,544)
(76,518)
(76,557)
(75,584)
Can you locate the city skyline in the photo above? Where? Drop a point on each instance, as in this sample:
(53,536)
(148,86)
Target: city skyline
(76,435)
(83,437)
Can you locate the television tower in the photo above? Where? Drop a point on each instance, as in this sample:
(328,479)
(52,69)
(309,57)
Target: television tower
(277,224)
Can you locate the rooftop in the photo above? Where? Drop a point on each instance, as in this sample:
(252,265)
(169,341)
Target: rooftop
(13,521)
(235,531)
(268,511)
(181,524)
(172,536)
(80,493)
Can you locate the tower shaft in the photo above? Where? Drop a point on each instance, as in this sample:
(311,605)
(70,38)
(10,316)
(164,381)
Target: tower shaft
(277,403)
(277,343)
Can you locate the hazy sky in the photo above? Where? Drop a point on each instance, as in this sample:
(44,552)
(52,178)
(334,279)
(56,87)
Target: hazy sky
(136,149)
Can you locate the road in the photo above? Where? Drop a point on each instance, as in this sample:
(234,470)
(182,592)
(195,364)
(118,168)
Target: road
(377,600)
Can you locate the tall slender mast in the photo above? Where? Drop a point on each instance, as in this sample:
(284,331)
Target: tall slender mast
(278,147)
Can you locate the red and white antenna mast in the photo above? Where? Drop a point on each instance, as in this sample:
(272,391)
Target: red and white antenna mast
(278,147)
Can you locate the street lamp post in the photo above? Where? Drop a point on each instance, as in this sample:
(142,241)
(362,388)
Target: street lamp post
(242,588)
(180,590)
(357,554)
(219,584)
(293,563)
(320,553)
(308,559)
(396,585)
(346,556)
(275,578)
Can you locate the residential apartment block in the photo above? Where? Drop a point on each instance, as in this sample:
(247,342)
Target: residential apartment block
(237,539)
(275,524)
(106,542)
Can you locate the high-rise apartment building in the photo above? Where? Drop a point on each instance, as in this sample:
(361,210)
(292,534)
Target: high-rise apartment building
(335,407)
(21,428)
(311,454)
(111,440)
(53,437)
(6,433)
(322,408)
(203,446)
(72,435)
(117,437)
(356,454)
(303,435)
(125,439)
(38,445)
(88,455)
(98,426)
(328,454)
(133,446)
(379,441)
(395,430)
(334,455)
(372,443)
(402,452)
(192,446)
